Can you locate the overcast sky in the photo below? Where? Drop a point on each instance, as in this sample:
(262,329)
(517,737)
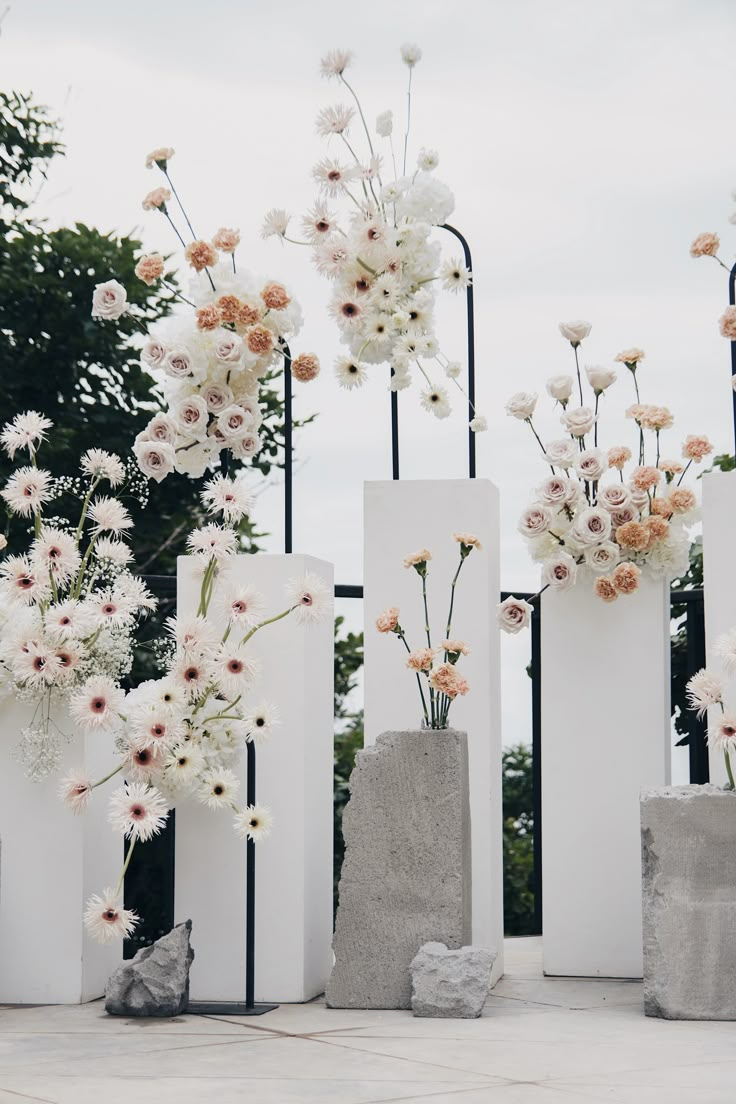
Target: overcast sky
(587,143)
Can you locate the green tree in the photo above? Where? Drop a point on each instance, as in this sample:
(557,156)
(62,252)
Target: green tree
(349,735)
(518,840)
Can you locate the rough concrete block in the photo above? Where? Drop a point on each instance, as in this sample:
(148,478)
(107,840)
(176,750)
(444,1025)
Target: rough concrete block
(156,981)
(406,876)
(689,902)
(450,984)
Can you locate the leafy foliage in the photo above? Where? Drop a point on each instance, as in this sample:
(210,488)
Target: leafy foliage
(518,840)
(28,141)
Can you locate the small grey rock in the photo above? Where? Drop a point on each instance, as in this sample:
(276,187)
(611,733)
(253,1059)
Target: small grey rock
(156,981)
(450,984)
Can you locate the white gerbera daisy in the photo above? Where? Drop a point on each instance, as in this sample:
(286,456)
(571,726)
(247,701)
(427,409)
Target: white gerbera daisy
(191,675)
(26,431)
(75,790)
(229,497)
(436,401)
(184,764)
(109,516)
(138,811)
(310,598)
(131,590)
(331,176)
(213,542)
(261,721)
(106,920)
(218,789)
(318,223)
(234,670)
(253,823)
(36,665)
(335,62)
(194,636)
(155,727)
(350,372)
(22,581)
(334,120)
(103,465)
(97,703)
(347,312)
(244,605)
(113,552)
(27,490)
(110,609)
(455,276)
(332,258)
(703,691)
(428,160)
(722,734)
(55,553)
(275,224)
(142,764)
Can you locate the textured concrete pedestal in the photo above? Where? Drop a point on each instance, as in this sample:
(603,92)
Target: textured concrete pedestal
(406,876)
(689,902)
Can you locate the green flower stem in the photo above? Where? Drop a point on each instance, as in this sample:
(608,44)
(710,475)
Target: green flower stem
(539,441)
(577,369)
(679,481)
(85,507)
(268,621)
(595,424)
(113,772)
(404,641)
(729,772)
(224,715)
(126,864)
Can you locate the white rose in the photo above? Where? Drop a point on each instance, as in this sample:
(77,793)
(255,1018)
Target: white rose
(234,421)
(109,300)
(478,424)
(600,378)
(575,332)
(154,353)
(251,406)
(161,428)
(218,396)
(385,124)
(178,364)
(579,421)
(247,445)
(602,557)
(560,571)
(521,405)
(191,416)
(592,526)
(639,498)
(557,490)
(535,521)
(561,454)
(155,458)
(194,460)
(513,614)
(228,348)
(623,514)
(560,388)
(614,497)
(591,464)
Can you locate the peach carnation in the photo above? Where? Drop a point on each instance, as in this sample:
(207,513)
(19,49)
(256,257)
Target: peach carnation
(259,340)
(227,241)
(457,647)
(670,467)
(150,268)
(468,539)
(625,578)
(646,477)
(618,456)
(275,296)
(657,418)
(661,508)
(705,245)
(637,411)
(630,356)
(727,323)
(248,315)
(420,660)
(305,367)
(421,557)
(229,306)
(388,620)
(696,448)
(446,679)
(157,199)
(634,535)
(657,527)
(159,157)
(605,589)
(682,500)
(208,318)
(200,255)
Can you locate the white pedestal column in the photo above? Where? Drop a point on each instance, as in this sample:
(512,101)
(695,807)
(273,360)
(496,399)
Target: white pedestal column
(50,863)
(294,780)
(719,512)
(402,517)
(605,734)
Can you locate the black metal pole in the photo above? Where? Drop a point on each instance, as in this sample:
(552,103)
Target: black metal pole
(536,664)
(394,433)
(250,889)
(288,451)
(471,348)
(697,745)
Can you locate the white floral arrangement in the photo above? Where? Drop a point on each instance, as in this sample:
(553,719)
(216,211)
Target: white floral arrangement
(705,690)
(178,737)
(376,245)
(594,516)
(435,666)
(212,359)
(69,605)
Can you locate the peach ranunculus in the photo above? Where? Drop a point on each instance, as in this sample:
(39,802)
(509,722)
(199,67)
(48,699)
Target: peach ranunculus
(727,323)
(420,659)
(159,157)
(646,477)
(150,268)
(605,589)
(275,296)
(705,245)
(696,448)
(633,535)
(630,357)
(259,340)
(388,621)
(625,578)
(618,456)
(227,241)
(305,367)
(157,200)
(208,318)
(200,255)
(682,500)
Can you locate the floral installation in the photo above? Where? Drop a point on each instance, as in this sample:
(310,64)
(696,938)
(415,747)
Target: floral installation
(369,232)
(69,605)
(215,358)
(180,736)
(610,513)
(707,244)
(435,666)
(706,690)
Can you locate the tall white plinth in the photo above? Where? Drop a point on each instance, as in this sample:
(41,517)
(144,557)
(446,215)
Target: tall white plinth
(719,558)
(605,734)
(50,863)
(294,780)
(402,517)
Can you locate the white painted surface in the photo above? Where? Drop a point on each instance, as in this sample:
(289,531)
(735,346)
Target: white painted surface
(719,563)
(50,863)
(294,780)
(605,734)
(401,517)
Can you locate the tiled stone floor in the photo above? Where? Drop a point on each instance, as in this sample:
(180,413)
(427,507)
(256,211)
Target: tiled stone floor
(540,1041)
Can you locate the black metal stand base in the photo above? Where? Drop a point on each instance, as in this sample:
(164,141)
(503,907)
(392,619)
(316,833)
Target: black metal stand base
(228,1008)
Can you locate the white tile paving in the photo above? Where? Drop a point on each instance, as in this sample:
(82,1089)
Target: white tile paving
(539,1041)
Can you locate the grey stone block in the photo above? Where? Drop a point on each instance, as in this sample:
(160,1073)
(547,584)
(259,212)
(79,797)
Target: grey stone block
(406,875)
(449,984)
(156,981)
(689,902)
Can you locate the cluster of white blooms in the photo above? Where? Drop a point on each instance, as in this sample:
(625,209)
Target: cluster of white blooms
(370,233)
(707,691)
(604,513)
(182,735)
(213,358)
(69,605)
